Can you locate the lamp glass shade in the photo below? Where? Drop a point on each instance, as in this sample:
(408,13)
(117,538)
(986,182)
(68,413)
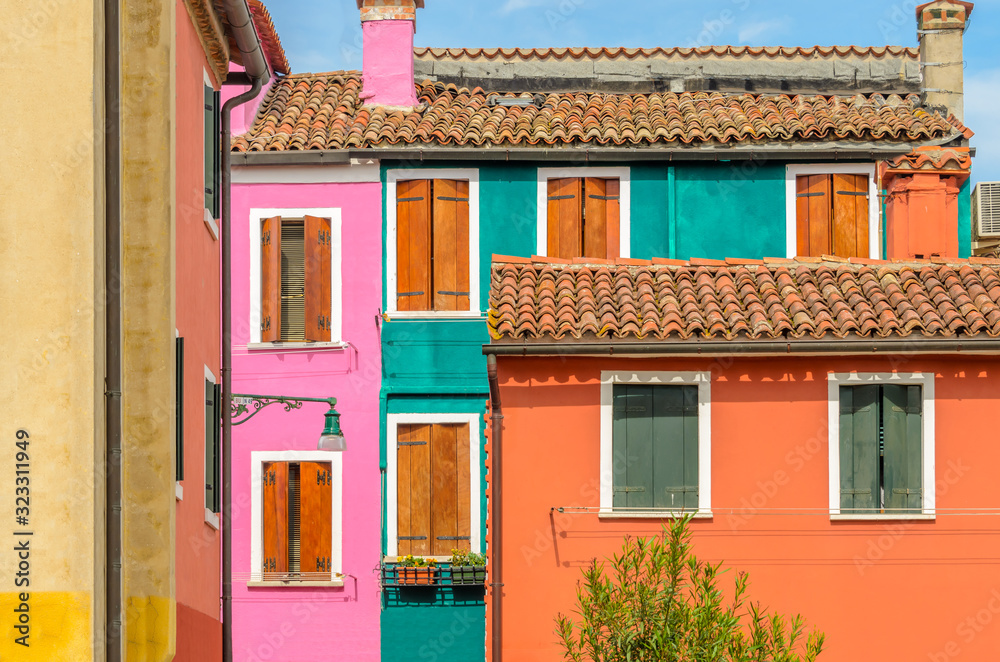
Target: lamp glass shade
(332,439)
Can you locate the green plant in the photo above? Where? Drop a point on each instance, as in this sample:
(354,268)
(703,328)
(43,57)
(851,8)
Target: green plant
(657,602)
(411,561)
(464,557)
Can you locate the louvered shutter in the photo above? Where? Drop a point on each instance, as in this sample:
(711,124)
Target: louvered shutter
(413,245)
(675,447)
(270,280)
(179,410)
(601,218)
(413,498)
(813,208)
(211,149)
(274,502)
(315,485)
(859,448)
(902,433)
(850,215)
(565,216)
(450,244)
(317,248)
(213,403)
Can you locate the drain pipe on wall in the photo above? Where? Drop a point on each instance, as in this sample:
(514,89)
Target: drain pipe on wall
(496,436)
(238,15)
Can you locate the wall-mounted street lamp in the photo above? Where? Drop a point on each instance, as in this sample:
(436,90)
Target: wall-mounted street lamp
(331,439)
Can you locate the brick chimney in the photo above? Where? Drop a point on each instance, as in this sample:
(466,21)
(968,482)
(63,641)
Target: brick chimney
(387,58)
(941,27)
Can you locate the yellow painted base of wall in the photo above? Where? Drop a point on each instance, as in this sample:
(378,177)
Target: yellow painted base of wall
(150,629)
(59,627)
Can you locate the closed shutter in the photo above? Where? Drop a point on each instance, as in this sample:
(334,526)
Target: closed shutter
(565,215)
(902,461)
(211,149)
(813,209)
(270,280)
(413,245)
(601,218)
(315,485)
(293,282)
(413,497)
(274,503)
(850,215)
(450,243)
(859,449)
(317,249)
(179,410)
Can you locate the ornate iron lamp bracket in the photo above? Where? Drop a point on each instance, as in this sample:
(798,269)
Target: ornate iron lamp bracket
(242,408)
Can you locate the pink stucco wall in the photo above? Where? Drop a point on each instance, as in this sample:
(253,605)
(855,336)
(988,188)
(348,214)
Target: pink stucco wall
(242,116)
(387,61)
(307,624)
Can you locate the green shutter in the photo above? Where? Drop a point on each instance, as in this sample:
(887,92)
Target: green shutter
(859,448)
(213,421)
(901,413)
(212,155)
(179,410)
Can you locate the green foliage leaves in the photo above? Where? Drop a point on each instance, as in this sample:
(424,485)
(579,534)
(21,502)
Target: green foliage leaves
(656,602)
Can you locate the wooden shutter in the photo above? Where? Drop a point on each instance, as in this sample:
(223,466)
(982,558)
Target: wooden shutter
(315,513)
(565,217)
(211,149)
(317,248)
(449,488)
(179,409)
(450,243)
(601,218)
(413,497)
(633,421)
(813,209)
(850,215)
(902,434)
(213,438)
(274,501)
(859,448)
(270,280)
(413,245)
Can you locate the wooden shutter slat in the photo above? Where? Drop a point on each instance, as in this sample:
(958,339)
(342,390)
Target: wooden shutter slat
(565,213)
(463,513)
(318,246)
(444,489)
(850,215)
(270,280)
(315,510)
(813,208)
(413,244)
(274,500)
(450,245)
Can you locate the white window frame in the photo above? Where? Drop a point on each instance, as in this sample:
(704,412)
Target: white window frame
(257,460)
(791,213)
(212,519)
(393,421)
(923,379)
(213,227)
(624,177)
(398,175)
(257,218)
(701,379)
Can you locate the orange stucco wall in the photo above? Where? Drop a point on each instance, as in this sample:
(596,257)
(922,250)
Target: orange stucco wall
(902,590)
(199,632)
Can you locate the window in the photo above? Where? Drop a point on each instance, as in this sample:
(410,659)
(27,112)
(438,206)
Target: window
(831,210)
(432,245)
(179,409)
(212,151)
(655,444)
(881,443)
(432,242)
(213,423)
(296,279)
(433,475)
(583,217)
(295,530)
(584,212)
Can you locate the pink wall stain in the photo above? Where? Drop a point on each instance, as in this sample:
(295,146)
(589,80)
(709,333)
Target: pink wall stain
(312,624)
(387,62)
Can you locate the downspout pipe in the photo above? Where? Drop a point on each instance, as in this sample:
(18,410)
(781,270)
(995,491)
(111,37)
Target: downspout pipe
(496,505)
(255,65)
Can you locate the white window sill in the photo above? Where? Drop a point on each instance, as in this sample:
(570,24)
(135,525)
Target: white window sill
(397,559)
(881,517)
(178,491)
(434,314)
(654,514)
(211,519)
(295,346)
(210,223)
(277,583)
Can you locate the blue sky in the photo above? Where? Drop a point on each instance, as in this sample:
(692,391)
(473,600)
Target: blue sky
(325,35)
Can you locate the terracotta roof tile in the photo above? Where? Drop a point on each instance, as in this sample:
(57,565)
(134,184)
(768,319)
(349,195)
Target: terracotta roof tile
(324,111)
(269,37)
(545,301)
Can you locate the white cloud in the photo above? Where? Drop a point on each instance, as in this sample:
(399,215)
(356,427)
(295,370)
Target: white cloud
(754,32)
(982,98)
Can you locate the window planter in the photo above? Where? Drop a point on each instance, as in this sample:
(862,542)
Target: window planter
(468,575)
(416,576)
(397,576)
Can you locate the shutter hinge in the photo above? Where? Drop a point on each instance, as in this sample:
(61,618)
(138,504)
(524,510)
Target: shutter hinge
(630,489)
(324,478)
(457,294)
(454,538)
(604,197)
(265,238)
(409,199)
(447,199)
(409,294)
(868,491)
(411,443)
(809,195)
(561,197)
(900,490)
(858,193)
(411,537)
(324,323)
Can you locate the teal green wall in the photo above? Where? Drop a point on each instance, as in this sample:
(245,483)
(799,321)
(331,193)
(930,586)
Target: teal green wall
(965,219)
(415,625)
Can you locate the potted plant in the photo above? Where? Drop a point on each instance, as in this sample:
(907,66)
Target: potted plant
(416,570)
(467,567)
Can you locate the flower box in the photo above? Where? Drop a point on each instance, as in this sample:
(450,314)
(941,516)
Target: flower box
(468,575)
(416,576)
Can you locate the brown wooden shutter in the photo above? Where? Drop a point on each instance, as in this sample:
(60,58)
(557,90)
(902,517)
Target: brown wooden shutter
(274,497)
(315,485)
(565,216)
(601,218)
(450,243)
(813,209)
(850,215)
(413,497)
(270,280)
(318,247)
(463,512)
(413,245)
(450,489)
